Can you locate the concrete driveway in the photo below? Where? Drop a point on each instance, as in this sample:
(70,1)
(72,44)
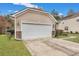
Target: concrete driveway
(52,47)
(39,48)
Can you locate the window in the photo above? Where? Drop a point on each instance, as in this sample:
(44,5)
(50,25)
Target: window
(77,20)
(66,28)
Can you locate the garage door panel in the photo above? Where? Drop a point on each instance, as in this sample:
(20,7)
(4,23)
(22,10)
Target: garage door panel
(35,31)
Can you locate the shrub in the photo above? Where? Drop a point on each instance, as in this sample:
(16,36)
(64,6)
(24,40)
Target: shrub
(76,32)
(71,32)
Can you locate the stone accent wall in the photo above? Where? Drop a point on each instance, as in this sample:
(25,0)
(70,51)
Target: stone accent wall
(18,34)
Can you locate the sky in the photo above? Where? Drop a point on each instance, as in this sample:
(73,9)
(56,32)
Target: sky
(62,8)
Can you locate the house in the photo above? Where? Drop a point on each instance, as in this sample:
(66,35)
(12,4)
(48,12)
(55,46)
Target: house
(4,24)
(32,23)
(70,24)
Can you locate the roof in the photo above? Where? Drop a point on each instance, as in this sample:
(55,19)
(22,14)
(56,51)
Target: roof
(35,10)
(71,16)
(19,12)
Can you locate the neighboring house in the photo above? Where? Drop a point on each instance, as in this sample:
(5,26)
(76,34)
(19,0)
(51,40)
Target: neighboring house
(70,24)
(33,23)
(4,24)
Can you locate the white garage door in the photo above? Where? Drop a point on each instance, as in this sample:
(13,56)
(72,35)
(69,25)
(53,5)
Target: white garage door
(32,31)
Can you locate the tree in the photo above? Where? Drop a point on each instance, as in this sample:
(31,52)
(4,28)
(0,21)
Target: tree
(7,17)
(54,12)
(70,12)
(56,15)
(10,21)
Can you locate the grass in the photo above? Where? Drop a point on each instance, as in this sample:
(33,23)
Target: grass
(61,36)
(12,47)
(74,39)
(68,35)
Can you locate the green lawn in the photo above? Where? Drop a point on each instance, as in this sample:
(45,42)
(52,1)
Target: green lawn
(61,36)
(70,39)
(74,39)
(12,47)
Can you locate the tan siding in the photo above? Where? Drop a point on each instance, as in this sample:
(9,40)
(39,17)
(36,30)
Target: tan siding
(35,18)
(32,18)
(71,23)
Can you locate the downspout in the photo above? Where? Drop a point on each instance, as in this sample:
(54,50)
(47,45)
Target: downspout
(15,26)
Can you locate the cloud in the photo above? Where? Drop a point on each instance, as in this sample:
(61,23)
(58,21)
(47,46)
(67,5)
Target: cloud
(60,13)
(10,10)
(16,11)
(27,5)
(13,11)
